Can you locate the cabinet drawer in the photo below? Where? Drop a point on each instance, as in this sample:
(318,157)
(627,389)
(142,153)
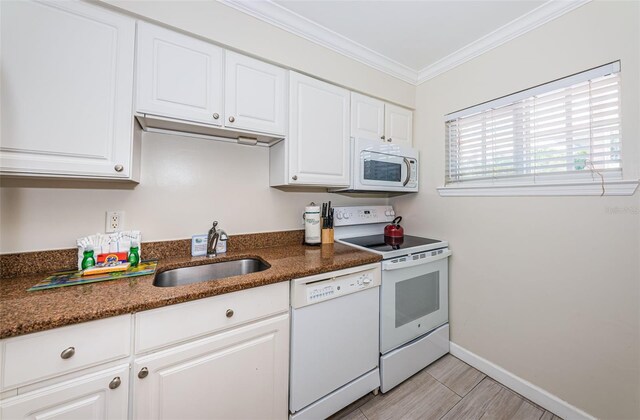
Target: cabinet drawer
(42,355)
(164,326)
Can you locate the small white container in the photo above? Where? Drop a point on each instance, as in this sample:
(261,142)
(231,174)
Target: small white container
(198,245)
(312,224)
(221,247)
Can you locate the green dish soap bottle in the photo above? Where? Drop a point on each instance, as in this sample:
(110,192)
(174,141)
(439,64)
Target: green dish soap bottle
(87,257)
(134,254)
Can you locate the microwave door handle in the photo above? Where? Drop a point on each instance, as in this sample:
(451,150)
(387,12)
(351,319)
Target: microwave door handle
(406,181)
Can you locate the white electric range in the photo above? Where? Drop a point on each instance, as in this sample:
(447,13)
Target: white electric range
(414,297)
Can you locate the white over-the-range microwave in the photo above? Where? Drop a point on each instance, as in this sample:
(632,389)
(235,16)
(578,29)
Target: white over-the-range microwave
(378,166)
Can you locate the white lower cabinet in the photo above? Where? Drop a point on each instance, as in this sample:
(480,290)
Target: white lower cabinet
(31,358)
(237,374)
(101,395)
(230,360)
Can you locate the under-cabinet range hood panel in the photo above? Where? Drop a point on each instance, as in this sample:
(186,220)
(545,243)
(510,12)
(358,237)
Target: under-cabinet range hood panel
(157,124)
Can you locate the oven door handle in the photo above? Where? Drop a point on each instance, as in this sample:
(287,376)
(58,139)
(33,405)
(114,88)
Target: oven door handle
(390,265)
(406,181)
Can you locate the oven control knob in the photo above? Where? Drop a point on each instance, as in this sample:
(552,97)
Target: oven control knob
(347,215)
(339,215)
(366,280)
(387,213)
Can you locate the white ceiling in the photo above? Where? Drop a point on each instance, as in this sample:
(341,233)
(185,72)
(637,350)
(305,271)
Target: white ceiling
(413,33)
(411,40)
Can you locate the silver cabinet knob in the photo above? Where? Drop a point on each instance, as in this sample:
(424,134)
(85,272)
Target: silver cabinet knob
(216,115)
(68,353)
(389,139)
(118,168)
(231,119)
(229,313)
(295,177)
(144,372)
(382,137)
(115,382)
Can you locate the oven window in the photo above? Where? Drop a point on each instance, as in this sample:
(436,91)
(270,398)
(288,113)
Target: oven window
(376,170)
(417,297)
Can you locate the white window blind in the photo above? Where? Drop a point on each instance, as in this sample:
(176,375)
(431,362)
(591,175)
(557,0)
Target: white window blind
(568,129)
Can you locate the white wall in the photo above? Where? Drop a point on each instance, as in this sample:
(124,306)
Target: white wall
(545,287)
(186,183)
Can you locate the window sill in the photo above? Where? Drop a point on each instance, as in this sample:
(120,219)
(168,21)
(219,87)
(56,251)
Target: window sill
(618,187)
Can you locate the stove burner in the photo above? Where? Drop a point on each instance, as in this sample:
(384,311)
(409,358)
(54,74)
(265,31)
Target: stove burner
(386,244)
(394,242)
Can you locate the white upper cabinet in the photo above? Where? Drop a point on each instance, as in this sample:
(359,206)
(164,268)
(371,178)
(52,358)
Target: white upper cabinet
(178,76)
(254,94)
(67,91)
(374,119)
(398,125)
(367,117)
(192,84)
(318,142)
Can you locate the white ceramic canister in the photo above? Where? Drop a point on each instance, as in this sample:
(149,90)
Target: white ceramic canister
(311,218)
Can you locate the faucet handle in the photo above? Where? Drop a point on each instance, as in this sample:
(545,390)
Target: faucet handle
(212,240)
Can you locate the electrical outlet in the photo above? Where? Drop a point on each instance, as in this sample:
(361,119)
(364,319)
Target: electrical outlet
(114,221)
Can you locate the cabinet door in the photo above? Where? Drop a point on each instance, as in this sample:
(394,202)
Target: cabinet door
(398,125)
(67,90)
(238,374)
(102,395)
(367,117)
(318,132)
(254,94)
(178,76)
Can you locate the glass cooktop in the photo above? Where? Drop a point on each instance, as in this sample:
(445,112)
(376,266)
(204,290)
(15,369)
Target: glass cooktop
(383,243)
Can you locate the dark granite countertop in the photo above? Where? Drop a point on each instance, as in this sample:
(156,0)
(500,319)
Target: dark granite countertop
(23,312)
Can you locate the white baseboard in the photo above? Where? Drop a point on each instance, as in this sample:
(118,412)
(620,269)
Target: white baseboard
(525,388)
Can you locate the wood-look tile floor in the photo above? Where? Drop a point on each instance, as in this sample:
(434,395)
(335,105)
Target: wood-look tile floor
(448,389)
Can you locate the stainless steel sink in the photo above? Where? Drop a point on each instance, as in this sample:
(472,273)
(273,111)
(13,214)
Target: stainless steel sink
(207,272)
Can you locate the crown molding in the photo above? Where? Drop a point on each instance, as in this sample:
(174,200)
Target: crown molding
(274,14)
(283,18)
(525,23)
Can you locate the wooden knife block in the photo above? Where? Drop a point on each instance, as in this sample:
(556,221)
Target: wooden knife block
(327,236)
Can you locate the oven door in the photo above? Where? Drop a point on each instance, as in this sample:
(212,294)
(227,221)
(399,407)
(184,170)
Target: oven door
(414,299)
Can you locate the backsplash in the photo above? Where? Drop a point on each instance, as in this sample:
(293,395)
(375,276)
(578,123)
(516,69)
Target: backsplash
(185,185)
(27,263)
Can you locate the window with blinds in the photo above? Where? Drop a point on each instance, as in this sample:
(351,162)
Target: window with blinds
(568,129)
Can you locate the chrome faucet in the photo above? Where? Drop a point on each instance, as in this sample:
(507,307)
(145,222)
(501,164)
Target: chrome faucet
(212,240)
